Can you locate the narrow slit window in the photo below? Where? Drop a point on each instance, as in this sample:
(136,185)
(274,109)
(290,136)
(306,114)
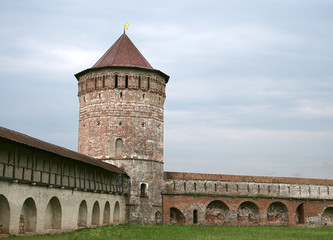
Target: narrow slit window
(116,81)
(126,81)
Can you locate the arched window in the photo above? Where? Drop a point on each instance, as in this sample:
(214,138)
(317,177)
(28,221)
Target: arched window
(119,147)
(126,81)
(116,81)
(143,190)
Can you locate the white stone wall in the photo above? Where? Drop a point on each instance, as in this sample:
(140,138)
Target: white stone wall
(17,193)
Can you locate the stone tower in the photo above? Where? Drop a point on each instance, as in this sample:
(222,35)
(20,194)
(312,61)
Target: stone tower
(122,120)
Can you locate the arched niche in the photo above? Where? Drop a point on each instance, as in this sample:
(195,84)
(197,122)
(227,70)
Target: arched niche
(277,214)
(176,216)
(217,212)
(327,217)
(106,213)
(53,214)
(83,213)
(248,213)
(28,216)
(116,212)
(95,214)
(4,215)
(300,214)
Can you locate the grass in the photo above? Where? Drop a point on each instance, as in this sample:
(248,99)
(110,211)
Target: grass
(178,232)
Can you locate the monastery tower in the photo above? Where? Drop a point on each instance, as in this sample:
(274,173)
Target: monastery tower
(122,122)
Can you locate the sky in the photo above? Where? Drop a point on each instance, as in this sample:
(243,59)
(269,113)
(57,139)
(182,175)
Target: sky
(250,89)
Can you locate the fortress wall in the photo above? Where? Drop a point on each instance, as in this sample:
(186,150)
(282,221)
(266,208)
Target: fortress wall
(211,184)
(190,198)
(56,210)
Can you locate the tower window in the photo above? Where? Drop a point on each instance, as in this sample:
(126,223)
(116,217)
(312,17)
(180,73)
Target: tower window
(126,81)
(139,82)
(143,190)
(95,82)
(116,81)
(148,84)
(119,147)
(121,94)
(103,82)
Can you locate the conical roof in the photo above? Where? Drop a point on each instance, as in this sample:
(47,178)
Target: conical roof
(123,53)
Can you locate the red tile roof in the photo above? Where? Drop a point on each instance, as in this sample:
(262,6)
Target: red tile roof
(123,53)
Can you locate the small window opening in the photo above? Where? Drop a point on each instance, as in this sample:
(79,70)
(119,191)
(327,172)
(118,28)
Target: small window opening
(226,187)
(103,82)
(126,81)
(195,216)
(98,123)
(148,83)
(121,94)
(99,95)
(116,81)
(143,124)
(139,82)
(236,187)
(84,99)
(248,188)
(174,185)
(205,186)
(185,186)
(95,82)
(195,186)
(215,187)
(143,189)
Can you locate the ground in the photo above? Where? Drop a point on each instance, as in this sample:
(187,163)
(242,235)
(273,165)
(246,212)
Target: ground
(187,232)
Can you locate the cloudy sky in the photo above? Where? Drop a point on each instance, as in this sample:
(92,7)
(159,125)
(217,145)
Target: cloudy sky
(251,82)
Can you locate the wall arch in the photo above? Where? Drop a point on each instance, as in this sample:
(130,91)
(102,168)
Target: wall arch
(106,214)
(248,213)
(83,214)
(116,212)
(53,214)
(277,213)
(28,216)
(327,217)
(217,212)
(300,214)
(95,214)
(4,214)
(176,216)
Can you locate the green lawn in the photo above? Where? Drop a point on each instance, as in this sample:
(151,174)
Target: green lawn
(170,232)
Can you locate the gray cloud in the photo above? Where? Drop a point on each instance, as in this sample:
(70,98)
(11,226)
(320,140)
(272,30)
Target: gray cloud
(251,88)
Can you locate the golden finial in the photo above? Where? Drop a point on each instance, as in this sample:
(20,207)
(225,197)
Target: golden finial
(126,27)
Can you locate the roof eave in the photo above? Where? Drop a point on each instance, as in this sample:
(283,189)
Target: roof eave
(118,67)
